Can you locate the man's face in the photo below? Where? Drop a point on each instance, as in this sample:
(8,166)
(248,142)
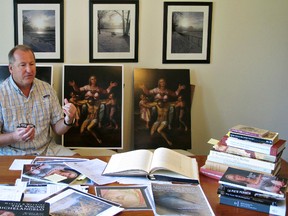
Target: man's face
(23,70)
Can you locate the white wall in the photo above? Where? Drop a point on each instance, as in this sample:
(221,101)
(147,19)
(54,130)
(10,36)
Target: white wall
(246,81)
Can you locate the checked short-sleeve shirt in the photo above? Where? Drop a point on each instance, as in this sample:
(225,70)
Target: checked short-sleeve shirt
(41,108)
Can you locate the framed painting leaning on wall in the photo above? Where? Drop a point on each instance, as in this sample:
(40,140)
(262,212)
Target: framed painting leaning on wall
(97,92)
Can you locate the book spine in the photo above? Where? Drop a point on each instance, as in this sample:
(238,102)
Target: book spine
(244,160)
(250,198)
(249,138)
(246,204)
(244,153)
(240,191)
(248,133)
(257,147)
(211,173)
(233,163)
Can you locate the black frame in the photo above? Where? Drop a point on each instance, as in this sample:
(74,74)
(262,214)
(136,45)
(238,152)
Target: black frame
(199,53)
(109,55)
(54,51)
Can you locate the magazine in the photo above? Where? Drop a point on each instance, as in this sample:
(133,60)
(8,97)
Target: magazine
(70,201)
(180,199)
(50,173)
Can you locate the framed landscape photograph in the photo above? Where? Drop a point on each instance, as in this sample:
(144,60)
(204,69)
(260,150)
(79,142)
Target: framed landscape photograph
(113,30)
(40,25)
(97,92)
(187,32)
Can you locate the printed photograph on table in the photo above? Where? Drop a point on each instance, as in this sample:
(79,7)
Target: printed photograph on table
(162,108)
(187,32)
(39,24)
(132,198)
(97,92)
(43,72)
(113,30)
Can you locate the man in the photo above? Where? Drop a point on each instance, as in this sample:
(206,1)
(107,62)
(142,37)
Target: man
(28,108)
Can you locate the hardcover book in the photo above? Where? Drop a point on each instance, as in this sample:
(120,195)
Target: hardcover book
(243,160)
(263,148)
(245,153)
(233,163)
(18,208)
(250,131)
(269,138)
(247,204)
(180,199)
(254,181)
(163,164)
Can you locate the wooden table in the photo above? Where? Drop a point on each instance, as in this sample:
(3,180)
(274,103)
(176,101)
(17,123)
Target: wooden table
(208,185)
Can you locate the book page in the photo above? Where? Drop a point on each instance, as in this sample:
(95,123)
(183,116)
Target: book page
(133,161)
(173,161)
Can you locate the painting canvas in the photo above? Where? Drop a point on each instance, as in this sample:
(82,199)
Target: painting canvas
(43,72)
(97,92)
(162,108)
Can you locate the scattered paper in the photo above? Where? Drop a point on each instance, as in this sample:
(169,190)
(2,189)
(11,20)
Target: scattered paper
(18,164)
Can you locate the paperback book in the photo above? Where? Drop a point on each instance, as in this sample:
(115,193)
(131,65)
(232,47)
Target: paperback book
(18,208)
(271,185)
(260,207)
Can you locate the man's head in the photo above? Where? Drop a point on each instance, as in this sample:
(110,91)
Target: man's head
(22,65)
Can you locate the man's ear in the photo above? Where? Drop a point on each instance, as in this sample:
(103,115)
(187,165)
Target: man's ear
(10,68)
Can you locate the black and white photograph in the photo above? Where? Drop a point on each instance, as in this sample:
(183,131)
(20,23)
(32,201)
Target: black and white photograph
(39,25)
(97,92)
(162,108)
(187,32)
(113,31)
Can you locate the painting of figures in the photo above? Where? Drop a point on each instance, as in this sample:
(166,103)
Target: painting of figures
(96,91)
(162,108)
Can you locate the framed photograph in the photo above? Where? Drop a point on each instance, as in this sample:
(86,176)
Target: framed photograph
(40,25)
(43,72)
(162,108)
(113,30)
(187,32)
(129,197)
(97,92)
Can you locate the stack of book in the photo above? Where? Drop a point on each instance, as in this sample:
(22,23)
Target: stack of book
(247,148)
(254,191)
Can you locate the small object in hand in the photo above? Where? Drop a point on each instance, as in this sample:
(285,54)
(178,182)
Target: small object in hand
(25,125)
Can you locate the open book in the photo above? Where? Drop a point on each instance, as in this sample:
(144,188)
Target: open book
(164,164)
